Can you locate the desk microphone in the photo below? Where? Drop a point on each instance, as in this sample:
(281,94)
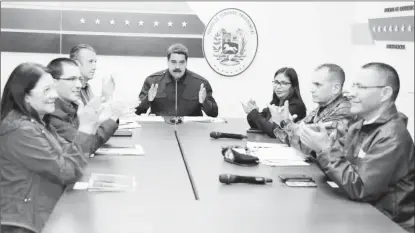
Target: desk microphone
(176,120)
(217,135)
(233,179)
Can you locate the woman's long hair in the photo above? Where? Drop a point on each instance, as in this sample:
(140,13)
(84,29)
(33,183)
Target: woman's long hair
(20,83)
(292,75)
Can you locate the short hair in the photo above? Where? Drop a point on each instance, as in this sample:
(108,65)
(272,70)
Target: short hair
(56,66)
(388,73)
(20,83)
(338,72)
(179,49)
(74,53)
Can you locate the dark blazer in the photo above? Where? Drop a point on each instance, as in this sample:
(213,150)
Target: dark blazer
(260,120)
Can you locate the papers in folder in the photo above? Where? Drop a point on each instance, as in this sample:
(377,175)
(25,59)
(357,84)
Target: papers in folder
(111,182)
(204,119)
(274,154)
(137,150)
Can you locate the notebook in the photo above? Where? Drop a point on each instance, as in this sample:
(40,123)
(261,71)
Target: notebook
(110,150)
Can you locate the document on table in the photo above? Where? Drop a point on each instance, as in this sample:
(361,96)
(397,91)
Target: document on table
(274,154)
(204,119)
(142,118)
(257,145)
(150,119)
(107,183)
(136,150)
(129,125)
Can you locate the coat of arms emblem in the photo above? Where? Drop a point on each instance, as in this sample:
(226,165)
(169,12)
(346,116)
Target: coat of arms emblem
(230,42)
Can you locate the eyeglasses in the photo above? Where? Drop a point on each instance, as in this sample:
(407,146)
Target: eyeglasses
(362,87)
(281,84)
(71,79)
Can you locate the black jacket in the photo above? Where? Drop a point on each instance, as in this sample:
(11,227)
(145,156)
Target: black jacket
(187,96)
(260,120)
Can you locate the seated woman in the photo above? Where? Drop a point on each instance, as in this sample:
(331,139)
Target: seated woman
(35,164)
(286,88)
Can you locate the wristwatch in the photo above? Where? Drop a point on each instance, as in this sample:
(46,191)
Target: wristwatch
(284,123)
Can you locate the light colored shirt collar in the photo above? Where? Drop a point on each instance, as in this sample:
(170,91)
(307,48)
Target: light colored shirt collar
(370,121)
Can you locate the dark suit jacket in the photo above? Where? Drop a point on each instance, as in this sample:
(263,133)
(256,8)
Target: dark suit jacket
(164,104)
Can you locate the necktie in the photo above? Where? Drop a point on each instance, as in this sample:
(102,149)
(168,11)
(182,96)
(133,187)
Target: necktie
(86,94)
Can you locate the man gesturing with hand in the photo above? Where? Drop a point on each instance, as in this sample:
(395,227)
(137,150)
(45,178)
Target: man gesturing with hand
(177,91)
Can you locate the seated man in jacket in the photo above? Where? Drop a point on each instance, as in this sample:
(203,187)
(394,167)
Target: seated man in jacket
(65,118)
(374,161)
(161,89)
(333,108)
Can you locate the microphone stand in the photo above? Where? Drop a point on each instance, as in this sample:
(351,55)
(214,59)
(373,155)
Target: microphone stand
(176,119)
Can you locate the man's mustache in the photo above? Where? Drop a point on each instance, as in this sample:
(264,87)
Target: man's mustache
(177,70)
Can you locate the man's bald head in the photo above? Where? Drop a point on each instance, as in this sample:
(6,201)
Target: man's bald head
(387,76)
(335,73)
(327,83)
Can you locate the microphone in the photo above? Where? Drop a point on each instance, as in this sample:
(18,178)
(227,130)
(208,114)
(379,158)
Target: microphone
(233,179)
(175,98)
(176,120)
(217,135)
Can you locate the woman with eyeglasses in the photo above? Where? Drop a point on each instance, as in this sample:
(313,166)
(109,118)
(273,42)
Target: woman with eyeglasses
(35,164)
(286,88)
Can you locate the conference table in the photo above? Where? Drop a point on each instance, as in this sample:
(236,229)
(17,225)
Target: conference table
(178,190)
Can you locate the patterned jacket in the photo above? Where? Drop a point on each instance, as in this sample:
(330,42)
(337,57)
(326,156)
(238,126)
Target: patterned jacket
(335,115)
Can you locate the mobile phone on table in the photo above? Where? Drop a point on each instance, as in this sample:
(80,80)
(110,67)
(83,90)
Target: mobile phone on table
(258,131)
(123,133)
(298,180)
(300,183)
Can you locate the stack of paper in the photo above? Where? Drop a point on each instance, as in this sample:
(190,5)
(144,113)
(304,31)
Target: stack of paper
(129,125)
(137,150)
(149,119)
(204,119)
(274,154)
(111,182)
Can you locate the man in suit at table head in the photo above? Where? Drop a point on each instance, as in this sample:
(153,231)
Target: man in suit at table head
(161,89)
(86,57)
(65,118)
(333,108)
(374,161)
